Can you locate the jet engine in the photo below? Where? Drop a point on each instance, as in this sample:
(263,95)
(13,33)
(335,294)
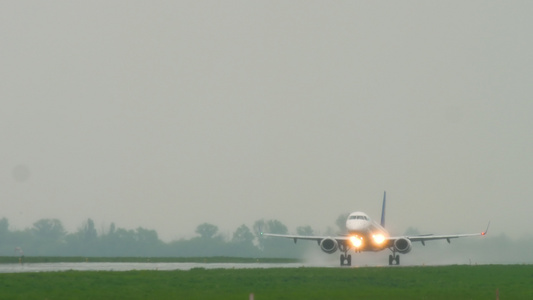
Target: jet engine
(402,245)
(329,245)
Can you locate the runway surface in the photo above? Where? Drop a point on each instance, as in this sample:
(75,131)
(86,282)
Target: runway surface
(89,266)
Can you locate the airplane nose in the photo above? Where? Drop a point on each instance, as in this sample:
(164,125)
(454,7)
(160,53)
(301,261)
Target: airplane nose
(354,225)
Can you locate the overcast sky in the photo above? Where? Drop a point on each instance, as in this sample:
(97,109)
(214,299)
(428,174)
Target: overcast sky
(168,114)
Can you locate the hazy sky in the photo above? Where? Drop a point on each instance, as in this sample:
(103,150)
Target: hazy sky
(168,114)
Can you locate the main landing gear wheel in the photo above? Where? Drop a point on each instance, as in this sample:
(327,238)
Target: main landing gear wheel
(346,260)
(394,258)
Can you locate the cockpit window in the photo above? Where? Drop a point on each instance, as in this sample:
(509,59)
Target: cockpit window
(358,218)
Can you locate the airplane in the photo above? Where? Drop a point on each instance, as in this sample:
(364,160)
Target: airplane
(364,234)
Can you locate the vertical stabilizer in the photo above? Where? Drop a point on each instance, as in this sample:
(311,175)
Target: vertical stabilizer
(383,209)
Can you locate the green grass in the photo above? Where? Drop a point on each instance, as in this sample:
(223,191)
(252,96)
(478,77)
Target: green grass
(446,282)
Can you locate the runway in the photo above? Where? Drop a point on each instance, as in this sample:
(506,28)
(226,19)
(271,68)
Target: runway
(97,266)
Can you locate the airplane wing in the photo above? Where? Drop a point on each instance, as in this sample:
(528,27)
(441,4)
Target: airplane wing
(307,237)
(412,238)
(429,237)
(390,242)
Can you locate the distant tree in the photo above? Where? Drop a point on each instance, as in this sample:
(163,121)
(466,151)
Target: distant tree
(88,232)
(259,227)
(330,231)
(6,243)
(412,231)
(108,240)
(112,228)
(243,235)
(304,230)
(275,226)
(341,221)
(124,242)
(51,229)
(268,226)
(206,230)
(4,226)
(270,246)
(147,236)
(21,239)
(47,238)
(241,244)
(83,242)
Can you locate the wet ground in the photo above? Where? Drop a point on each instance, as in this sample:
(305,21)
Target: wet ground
(90,266)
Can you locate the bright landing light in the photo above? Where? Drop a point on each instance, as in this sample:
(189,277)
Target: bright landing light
(356,241)
(378,238)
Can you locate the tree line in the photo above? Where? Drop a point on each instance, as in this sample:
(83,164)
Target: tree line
(48,237)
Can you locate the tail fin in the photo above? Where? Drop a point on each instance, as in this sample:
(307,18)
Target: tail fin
(383,209)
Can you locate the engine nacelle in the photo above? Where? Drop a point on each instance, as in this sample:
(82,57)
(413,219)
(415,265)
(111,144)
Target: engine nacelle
(402,245)
(329,245)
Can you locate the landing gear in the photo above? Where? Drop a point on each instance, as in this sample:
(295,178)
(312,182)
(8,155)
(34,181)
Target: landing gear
(394,258)
(346,260)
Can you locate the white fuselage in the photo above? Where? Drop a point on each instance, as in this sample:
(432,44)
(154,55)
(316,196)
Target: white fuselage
(369,232)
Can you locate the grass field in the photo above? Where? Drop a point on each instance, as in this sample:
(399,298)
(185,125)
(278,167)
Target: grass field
(443,282)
